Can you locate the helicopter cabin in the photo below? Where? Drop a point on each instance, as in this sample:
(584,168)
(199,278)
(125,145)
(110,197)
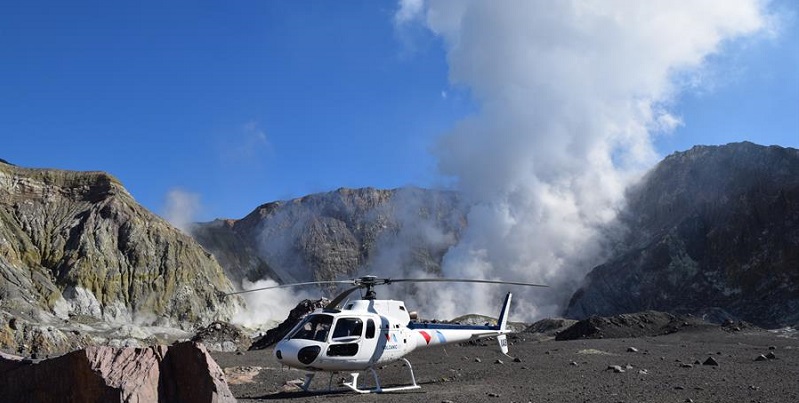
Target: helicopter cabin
(394,309)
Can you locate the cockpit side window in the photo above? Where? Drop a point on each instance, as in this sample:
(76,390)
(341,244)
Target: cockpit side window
(348,327)
(370,329)
(313,327)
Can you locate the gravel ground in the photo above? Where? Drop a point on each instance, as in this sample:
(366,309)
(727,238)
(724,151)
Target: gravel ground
(664,369)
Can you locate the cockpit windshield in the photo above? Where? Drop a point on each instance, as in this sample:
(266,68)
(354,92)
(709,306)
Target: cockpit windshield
(313,327)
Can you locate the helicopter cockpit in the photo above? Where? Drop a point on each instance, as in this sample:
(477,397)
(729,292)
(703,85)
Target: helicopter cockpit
(313,327)
(317,327)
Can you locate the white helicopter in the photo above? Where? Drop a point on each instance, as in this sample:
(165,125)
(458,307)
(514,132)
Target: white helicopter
(369,332)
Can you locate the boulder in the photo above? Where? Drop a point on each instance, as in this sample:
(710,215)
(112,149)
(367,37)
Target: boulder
(190,374)
(184,372)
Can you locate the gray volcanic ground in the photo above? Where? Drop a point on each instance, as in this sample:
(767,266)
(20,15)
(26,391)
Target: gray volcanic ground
(664,369)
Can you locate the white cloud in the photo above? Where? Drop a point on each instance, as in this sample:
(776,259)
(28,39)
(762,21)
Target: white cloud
(571,93)
(408,11)
(246,145)
(665,122)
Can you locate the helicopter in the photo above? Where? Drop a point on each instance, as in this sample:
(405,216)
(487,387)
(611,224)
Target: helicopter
(366,333)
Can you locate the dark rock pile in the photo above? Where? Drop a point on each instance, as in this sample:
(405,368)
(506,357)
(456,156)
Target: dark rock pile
(223,336)
(274,335)
(549,326)
(183,372)
(730,325)
(649,323)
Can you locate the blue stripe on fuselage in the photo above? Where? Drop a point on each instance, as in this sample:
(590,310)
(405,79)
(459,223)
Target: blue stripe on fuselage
(442,326)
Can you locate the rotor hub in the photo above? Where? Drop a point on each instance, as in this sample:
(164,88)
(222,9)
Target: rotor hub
(368,282)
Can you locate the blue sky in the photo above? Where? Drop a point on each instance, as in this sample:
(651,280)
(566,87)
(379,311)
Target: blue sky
(247,102)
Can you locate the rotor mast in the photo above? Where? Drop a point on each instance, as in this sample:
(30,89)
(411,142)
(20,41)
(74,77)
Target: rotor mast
(369,282)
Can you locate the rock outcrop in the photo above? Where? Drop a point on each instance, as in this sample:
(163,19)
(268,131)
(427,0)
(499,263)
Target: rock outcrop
(184,372)
(329,235)
(76,246)
(274,335)
(712,231)
(223,336)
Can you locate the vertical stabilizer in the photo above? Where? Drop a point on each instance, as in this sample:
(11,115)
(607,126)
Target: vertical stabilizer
(502,322)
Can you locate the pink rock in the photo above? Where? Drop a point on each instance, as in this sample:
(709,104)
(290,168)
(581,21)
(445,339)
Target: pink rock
(184,372)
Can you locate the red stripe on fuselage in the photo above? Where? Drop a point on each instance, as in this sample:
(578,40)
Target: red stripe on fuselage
(426,336)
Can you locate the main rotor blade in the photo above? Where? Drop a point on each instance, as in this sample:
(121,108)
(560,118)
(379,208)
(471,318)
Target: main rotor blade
(458,280)
(293,285)
(341,297)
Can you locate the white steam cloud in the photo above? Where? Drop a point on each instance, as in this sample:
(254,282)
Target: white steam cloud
(181,208)
(267,308)
(570,95)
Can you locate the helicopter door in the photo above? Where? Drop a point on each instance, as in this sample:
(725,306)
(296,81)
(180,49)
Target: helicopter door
(346,336)
(370,340)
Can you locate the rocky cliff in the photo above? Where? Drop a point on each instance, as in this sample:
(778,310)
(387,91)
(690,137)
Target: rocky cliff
(711,231)
(76,247)
(327,235)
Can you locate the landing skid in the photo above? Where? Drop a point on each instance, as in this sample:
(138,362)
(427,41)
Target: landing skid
(378,389)
(353,385)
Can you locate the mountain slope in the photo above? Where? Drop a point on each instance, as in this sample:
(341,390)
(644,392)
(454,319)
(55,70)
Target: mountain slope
(327,235)
(76,245)
(710,228)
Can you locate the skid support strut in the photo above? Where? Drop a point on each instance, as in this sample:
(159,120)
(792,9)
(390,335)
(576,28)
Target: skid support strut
(306,386)
(308,378)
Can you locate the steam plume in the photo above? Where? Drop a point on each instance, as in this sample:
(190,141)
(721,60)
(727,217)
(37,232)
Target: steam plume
(181,208)
(571,94)
(269,307)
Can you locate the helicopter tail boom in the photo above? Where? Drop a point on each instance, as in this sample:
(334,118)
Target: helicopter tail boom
(429,334)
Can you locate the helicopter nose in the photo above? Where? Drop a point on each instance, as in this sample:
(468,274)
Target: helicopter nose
(295,354)
(306,355)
